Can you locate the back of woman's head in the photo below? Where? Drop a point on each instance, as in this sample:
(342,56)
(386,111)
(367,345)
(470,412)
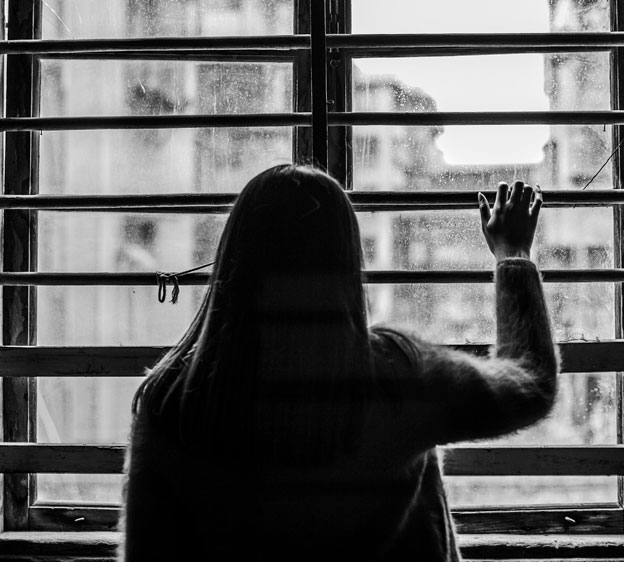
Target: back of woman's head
(272,357)
(292,237)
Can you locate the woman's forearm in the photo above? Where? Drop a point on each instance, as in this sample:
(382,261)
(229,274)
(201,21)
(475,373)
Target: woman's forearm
(523,325)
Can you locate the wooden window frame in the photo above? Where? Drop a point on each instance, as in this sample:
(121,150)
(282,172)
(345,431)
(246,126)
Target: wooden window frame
(321,50)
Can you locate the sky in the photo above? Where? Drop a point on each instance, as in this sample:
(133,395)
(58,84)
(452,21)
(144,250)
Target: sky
(487,83)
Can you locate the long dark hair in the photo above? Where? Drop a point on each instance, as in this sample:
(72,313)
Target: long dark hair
(275,362)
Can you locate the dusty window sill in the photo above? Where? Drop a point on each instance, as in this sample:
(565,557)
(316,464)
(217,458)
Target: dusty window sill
(100,547)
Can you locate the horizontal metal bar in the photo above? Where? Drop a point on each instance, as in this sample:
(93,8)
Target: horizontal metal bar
(185,55)
(534,461)
(304,120)
(421,119)
(528,521)
(406,52)
(424,41)
(433,41)
(153,44)
(414,200)
(154,122)
(128,361)
(364,201)
(370,277)
(458,461)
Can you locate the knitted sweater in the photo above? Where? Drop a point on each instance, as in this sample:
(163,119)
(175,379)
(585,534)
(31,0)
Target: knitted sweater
(384,502)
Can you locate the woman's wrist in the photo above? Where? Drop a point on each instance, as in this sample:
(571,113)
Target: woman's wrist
(504,253)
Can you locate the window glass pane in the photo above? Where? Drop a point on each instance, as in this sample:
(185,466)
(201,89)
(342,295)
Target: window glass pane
(88,488)
(87,19)
(566,238)
(497,491)
(519,82)
(127,242)
(455,314)
(479,16)
(83,410)
(112,87)
(159,161)
(478,157)
(458,157)
(113,315)
(585,413)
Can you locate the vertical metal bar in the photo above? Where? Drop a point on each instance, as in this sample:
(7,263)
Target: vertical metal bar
(19,246)
(617,97)
(348,79)
(319,82)
(301,90)
(337,76)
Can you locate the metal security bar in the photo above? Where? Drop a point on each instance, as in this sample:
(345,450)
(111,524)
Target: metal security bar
(426,43)
(306,119)
(130,361)
(363,201)
(370,277)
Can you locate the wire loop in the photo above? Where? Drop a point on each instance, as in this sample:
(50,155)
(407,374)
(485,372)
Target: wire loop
(163,278)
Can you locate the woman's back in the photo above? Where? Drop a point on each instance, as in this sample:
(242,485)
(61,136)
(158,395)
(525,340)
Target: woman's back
(280,426)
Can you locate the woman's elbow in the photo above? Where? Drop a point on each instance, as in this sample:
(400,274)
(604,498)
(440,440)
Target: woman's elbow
(541,397)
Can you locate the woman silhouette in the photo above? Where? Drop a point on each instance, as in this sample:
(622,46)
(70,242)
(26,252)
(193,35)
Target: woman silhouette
(282,427)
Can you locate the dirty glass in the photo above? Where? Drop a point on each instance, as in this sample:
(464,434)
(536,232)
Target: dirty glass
(463,157)
(515,82)
(72,88)
(161,160)
(479,16)
(566,238)
(467,157)
(506,491)
(464,313)
(89,19)
(150,161)
(95,489)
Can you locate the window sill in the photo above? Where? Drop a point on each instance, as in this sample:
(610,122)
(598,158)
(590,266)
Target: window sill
(100,546)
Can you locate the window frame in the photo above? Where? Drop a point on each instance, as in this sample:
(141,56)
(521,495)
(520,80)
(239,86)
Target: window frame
(323,132)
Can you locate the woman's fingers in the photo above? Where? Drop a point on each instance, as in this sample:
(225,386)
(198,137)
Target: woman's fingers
(527,193)
(501,195)
(516,192)
(484,210)
(537,205)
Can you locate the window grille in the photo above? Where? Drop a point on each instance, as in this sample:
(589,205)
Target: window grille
(321,51)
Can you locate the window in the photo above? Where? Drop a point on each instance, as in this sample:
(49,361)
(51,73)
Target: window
(130,126)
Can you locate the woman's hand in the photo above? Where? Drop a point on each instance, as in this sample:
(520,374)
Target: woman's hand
(509,227)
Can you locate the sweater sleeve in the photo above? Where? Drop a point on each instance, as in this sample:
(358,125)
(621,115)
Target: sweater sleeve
(450,396)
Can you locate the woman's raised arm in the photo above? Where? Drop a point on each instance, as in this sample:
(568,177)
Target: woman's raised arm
(454,396)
